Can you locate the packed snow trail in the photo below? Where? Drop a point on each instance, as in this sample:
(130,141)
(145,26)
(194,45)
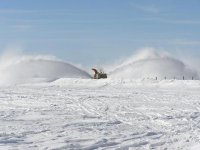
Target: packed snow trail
(101,114)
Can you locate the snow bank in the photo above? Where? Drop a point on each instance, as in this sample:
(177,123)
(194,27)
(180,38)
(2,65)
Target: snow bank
(23,69)
(150,64)
(125,83)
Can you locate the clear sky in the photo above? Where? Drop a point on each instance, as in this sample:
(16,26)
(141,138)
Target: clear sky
(96,31)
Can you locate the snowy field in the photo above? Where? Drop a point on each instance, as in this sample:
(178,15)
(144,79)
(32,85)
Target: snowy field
(101,114)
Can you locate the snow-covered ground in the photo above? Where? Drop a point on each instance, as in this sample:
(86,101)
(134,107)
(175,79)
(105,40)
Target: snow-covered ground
(101,114)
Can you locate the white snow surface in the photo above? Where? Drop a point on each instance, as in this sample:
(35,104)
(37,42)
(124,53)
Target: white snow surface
(108,114)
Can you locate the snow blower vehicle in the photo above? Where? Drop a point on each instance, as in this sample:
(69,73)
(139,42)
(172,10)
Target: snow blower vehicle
(99,74)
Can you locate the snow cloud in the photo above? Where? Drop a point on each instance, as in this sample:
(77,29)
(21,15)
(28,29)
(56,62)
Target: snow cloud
(148,63)
(16,69)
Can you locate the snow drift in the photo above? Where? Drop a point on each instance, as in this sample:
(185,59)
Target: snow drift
(150,64)
(23,69)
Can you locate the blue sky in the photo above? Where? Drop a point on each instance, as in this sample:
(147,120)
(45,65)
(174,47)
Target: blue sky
(95,31)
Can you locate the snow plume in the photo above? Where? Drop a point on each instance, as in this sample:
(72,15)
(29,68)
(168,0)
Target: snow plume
(150,64)
(16,69)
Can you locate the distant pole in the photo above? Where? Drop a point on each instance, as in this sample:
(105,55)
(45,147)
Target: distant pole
(156,78)
(165,78)
(192,78)
(183,78)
